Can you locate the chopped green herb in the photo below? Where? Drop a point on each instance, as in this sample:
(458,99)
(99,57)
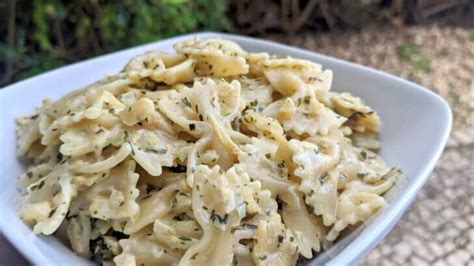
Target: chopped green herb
(51,213)
(281,164)
(216,218)
(157,151)
(41,184)
(186,102)
(347,100)
(307,99)
(59,157)
(323,177)
(56,190)
(361,175)
(250,226)
(314,79)
(280,238)
(254,103)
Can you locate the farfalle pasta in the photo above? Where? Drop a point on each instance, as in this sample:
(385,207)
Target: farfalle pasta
(211,156)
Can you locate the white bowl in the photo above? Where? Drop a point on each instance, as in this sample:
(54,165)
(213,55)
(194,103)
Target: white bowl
(416,125)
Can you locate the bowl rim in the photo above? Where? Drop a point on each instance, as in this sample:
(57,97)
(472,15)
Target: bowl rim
(367,239)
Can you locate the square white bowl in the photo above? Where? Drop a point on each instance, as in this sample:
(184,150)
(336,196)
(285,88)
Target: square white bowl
(416,125)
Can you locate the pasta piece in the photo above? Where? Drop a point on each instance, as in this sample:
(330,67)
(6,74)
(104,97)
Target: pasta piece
(141,249)
(140,110)
(165,233)
(359,201)
(88,138)
(180,73)
(361,117)
(217,210)
(35,173)
(29,132)
(154,60)
(214,57)
(255,92)
(49,199)
(79,234)
(297,219)
(120,155)
(152,151)
(275,245)
(160,67)
(304,114)
(314,166)
(114,197)
(209,47)
(154,207)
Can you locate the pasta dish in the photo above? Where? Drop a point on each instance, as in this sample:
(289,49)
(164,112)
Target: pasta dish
(209,156)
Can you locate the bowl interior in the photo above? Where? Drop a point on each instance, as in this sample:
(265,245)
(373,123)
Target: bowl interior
(415,127)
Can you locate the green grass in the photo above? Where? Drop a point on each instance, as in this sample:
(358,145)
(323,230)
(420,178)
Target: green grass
(411,52)
(470,36)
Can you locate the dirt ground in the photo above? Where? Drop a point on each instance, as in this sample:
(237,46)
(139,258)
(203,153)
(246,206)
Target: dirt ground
(439,226)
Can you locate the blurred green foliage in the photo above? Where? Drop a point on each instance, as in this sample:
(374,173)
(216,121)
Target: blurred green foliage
(50,33)
(411,52)
(471,36)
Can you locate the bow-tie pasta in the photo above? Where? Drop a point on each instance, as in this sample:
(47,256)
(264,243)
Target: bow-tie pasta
(212,155)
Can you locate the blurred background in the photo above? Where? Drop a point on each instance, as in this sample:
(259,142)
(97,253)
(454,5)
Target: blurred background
(428,41)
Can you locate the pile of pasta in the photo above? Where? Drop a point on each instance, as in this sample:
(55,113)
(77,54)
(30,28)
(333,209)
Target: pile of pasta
(210,156)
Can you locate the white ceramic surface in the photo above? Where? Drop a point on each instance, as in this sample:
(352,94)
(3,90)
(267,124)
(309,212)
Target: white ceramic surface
(416,125)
